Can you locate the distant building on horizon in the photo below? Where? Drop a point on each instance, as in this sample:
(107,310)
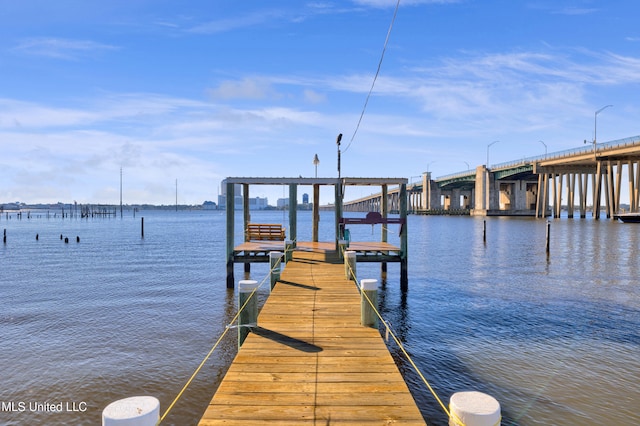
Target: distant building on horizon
(209,205)
(256,203)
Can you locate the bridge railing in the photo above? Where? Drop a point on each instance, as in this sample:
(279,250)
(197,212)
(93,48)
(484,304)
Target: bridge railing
(632,140)
(457,175)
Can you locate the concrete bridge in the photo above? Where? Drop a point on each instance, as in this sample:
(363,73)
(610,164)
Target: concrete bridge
(534,186)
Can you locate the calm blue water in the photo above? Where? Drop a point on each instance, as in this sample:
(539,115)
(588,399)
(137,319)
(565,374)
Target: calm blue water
(556,339)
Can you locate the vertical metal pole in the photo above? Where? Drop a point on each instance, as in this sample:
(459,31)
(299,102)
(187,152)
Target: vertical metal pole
(404,245)
(293,213)
(338,211)
(246,218)
(316,212)
(384,212)
(230,207)
(338,139)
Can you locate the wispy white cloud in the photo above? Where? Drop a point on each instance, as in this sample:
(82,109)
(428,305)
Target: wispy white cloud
(392,3)
(251,19)
(246,88)
(60,48)
(575,11)
(314,97)
(31,116)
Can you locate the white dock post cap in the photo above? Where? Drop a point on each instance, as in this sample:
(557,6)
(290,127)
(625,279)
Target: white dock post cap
(369,284)
(247,286)
(133,411)
(474,409)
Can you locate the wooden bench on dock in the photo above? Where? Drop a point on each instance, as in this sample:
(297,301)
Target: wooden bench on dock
(265,232)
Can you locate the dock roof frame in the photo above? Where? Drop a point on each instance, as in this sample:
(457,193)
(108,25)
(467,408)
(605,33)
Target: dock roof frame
(315,181)
(339,183)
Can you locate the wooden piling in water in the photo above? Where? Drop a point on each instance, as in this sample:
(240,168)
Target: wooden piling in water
(548,236)
(484,231)
(248,302)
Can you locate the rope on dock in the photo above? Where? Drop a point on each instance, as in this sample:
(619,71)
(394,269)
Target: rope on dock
(216,344)
(389,332)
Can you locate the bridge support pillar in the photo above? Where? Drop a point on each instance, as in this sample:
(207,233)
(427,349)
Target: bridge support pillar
(426,190)
(487,192)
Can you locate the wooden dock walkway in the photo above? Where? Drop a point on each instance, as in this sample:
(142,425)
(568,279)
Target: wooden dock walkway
(310,361)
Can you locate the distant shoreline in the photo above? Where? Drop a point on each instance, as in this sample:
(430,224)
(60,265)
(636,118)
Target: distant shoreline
(12,208)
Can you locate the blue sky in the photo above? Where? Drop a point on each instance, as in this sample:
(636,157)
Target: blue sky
(196,91)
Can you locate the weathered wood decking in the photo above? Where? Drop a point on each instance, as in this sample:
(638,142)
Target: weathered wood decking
(310,361)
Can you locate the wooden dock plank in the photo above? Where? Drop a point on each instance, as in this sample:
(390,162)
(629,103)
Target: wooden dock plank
(310,361)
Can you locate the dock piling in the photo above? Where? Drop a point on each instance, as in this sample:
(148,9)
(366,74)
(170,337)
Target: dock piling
(249,314)
(369,302)
(484,231)
(548,236)
(350,265)
(136,410)
(473,409)
(342,247)
(275,264)
(288,250)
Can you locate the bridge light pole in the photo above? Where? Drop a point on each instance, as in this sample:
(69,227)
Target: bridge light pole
(489,146)
(595,128)
(545,147)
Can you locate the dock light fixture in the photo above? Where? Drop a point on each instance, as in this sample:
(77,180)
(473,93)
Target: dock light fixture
(338,143)
(316,161)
